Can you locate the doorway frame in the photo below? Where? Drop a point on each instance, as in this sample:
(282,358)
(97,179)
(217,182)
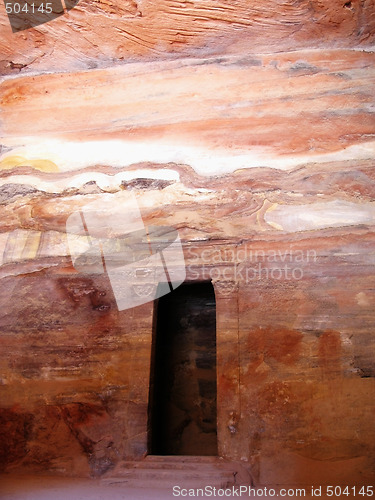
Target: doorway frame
(150,416)
(228,366)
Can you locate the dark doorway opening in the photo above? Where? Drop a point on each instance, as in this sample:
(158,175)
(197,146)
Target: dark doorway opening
(182,412)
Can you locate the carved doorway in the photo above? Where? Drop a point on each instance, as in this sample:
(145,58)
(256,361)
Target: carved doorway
(183,389)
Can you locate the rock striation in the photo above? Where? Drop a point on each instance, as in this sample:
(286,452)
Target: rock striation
(100,33)
(250,133)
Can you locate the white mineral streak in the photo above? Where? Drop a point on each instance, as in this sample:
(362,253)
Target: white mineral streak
(104,181)
(70,156)
(337,213)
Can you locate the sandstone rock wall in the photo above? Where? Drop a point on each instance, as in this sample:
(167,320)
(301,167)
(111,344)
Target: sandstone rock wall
(100,34)
(250,129)
(295,315)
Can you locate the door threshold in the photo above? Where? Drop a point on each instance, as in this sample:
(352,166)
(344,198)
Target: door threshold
(184,458)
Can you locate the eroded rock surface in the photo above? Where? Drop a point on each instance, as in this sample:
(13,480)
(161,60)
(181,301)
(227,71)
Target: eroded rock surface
(97,34)
(250,130)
